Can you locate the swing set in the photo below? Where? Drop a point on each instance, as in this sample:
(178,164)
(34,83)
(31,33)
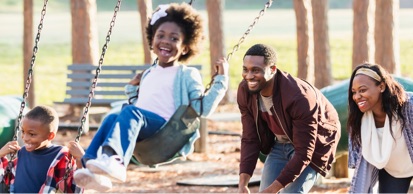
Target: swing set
(174,134)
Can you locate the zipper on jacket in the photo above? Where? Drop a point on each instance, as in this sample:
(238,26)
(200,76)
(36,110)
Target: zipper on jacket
(278,118)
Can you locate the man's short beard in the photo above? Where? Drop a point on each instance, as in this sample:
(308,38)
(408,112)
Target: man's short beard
(254,91)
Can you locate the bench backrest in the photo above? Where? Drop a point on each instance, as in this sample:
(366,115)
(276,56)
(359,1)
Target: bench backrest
(110,86)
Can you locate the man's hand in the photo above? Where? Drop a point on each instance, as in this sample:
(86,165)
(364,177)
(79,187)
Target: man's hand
(244,179)
(275,187)
(244,189)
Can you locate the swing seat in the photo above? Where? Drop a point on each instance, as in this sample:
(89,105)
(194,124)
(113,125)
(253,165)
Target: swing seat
(170,139)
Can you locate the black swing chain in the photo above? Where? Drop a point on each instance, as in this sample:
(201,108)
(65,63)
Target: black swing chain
(69,165)
(98,69)
(256,19)
(241,40)
(8,172)
(29,75)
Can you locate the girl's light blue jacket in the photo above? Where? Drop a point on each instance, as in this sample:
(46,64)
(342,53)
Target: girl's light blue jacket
(187,86)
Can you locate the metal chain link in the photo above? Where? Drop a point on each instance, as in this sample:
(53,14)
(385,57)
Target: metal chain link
(68,171)
(29,75)
(256,19)
(236,47)
(98,69)
(69,165)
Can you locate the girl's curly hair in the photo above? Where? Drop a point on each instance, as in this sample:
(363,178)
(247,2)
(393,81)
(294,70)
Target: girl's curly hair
(191,24)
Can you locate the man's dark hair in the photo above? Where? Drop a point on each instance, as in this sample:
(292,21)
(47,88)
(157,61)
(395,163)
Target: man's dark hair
(269,54)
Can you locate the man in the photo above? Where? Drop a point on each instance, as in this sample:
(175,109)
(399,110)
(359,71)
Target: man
(286,118)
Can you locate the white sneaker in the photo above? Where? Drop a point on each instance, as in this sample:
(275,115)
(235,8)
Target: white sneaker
(105,165)
(87,180)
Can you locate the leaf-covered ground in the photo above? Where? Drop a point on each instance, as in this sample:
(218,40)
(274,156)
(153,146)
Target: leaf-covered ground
(221,159)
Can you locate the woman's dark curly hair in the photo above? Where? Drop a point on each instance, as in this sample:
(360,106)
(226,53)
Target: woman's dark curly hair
(393,98)
(191,24)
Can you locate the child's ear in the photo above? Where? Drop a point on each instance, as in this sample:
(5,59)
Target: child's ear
(185,50)
(52,135)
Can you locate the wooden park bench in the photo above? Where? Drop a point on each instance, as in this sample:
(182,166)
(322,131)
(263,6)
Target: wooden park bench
(109,89)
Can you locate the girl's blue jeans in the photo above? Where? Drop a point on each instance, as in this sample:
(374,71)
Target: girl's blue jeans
(275,162)
(122,131)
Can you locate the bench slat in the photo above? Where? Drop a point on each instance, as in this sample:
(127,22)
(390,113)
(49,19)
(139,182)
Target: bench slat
(80,67)
(101,76)
(94,101)
(81,92)
(103,84)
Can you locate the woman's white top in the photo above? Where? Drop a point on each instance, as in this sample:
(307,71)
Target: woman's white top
(383,150)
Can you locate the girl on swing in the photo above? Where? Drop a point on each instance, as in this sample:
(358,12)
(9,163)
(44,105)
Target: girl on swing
(174,33)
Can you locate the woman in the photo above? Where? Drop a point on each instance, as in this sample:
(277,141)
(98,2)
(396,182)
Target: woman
(380,131)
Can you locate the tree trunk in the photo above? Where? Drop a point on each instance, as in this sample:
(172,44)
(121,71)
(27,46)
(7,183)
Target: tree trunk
(363,29)
(84,40)
(84,32)
(386,35)
(216,36)
(145,10)
(305,41)
(28,48)
(322,59)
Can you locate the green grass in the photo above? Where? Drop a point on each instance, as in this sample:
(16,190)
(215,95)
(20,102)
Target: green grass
(125,46)
(50,67)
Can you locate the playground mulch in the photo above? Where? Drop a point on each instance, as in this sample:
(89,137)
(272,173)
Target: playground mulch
(221,159)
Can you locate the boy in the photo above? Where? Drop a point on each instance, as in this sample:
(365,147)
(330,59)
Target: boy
(40,165)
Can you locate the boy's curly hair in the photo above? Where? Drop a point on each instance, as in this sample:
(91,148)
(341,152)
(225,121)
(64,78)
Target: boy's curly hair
(191,24)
